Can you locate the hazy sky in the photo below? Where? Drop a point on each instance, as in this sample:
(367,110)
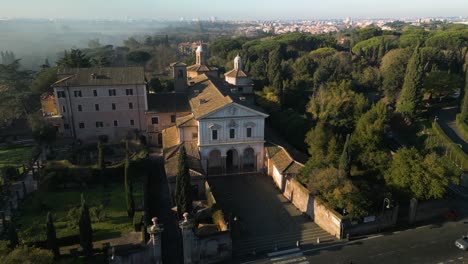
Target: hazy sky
(230,9)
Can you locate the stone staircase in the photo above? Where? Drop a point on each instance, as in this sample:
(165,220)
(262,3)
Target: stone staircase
(270,243)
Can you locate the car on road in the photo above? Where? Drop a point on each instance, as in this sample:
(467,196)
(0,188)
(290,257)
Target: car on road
(462,243)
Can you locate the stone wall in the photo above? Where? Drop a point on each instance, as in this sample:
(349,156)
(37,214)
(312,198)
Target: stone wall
(327,219)
(421,211)
(299,196)
(387,220)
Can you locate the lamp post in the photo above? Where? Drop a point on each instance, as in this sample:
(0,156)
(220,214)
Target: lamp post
(385,201)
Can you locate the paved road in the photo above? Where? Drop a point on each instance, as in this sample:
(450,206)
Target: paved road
(427,244)
(266,219)
(171,242)
(446,117)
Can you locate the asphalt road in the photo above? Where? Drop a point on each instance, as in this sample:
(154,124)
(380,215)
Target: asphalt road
(425,244)
(446,117)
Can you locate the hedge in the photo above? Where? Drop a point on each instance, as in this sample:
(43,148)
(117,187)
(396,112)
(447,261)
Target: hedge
(216,213)
(457,154)
(462,127)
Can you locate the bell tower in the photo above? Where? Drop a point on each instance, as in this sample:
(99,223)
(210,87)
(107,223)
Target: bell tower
(238,63)
(179,73)
(200,54)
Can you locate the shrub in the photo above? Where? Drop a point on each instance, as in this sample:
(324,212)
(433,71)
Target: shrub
(73,215)
(98,213)
(138,220)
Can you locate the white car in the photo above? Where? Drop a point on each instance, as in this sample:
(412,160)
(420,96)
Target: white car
(462,243)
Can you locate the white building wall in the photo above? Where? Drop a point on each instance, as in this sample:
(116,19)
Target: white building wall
(89,116)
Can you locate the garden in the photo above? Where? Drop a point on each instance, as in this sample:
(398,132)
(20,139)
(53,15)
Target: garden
(63,183)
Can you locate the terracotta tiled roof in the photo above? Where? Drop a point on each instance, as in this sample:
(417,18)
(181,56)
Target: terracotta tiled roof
(187,120)
(208,94)
(206,97)
(170,137)
(101,76)
(236,74)
(168,102)
(193,157)
(200,68)
(282,160)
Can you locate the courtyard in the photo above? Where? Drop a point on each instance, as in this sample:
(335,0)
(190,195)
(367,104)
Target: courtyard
(260,218)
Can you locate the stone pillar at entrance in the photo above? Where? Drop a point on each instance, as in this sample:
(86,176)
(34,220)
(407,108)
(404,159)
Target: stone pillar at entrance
(188,239)
(155,241)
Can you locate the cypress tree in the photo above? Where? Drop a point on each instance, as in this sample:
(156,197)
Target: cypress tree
(100,156)
(12,235)
(51,236)
(128,192)
(345,159)
(183,186)
(86,232)
(410,95)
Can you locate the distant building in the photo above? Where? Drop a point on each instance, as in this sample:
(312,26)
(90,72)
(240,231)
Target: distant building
(91,102)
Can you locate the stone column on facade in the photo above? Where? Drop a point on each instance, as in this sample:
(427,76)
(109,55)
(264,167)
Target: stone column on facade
(188,239)
(241,163)
(155,242)
(223,164)
(256,162)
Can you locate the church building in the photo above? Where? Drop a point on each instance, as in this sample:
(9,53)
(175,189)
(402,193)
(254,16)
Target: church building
(224,128)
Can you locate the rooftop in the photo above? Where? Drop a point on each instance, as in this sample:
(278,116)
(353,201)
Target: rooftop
(102,76)
(168,102)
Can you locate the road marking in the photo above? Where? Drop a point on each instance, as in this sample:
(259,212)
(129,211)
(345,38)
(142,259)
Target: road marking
(287,256)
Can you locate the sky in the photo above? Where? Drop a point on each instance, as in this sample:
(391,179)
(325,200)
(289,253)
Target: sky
(230,9)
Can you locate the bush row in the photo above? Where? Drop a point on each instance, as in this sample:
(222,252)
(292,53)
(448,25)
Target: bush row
(458,155)
(462,127)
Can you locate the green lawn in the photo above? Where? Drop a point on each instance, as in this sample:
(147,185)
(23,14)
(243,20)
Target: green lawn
(15,156)
(32,215)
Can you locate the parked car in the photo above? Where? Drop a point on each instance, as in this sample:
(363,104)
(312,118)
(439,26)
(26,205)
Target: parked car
(462,243)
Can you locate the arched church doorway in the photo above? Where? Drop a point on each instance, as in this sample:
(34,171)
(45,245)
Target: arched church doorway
(214,162)
(232,160)
(249,159)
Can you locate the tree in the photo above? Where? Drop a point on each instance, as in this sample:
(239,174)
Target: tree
(345,159)
(74,59)
(441,83)
(12,235)
(43,132)
(27,255)
(420,177)
(51,236)
(392,69)
(323,148)
(86,231)
(410,96)
(338,191)
(138,57)
(183,186)
(100,161)
(128,185)
(464,104)
(44,80)
(368,139)
(337,105)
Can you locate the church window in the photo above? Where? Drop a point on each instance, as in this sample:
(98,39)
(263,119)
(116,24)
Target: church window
(232,133)
(60,94)
(173,118)
(112,92)
(214,134)
(249,132)
(155,120)
(180,74)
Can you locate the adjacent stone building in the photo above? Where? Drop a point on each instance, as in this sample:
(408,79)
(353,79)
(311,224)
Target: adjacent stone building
(94,102)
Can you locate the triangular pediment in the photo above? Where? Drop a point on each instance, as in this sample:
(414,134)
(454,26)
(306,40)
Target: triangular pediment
(234,110)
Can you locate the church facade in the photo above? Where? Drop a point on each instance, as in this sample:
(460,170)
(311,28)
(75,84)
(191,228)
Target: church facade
(224,126)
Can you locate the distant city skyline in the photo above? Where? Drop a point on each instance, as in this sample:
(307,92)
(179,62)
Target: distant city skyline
(230,10)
